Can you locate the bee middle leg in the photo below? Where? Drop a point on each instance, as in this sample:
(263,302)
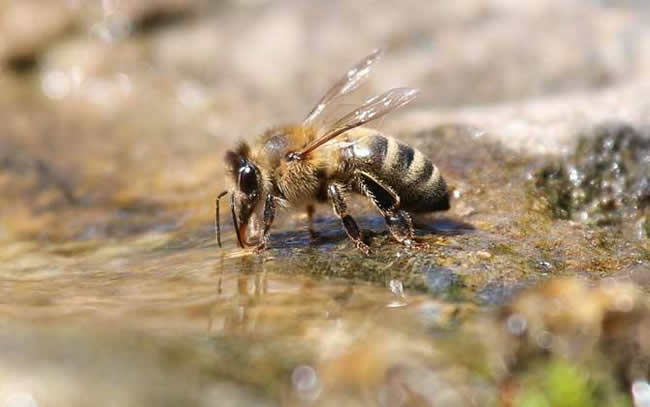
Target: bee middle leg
(398,221)
(335,194)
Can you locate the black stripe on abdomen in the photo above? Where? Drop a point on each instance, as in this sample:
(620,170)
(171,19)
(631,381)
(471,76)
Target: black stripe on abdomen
(425,173)
(405,156)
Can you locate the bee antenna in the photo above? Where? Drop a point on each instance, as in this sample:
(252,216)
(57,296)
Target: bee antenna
(217,221)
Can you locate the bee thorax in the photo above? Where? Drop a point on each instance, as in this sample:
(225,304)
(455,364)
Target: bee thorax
(301,181)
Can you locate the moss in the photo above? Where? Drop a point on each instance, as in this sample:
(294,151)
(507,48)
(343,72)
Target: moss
(500,249)
(560,384)
(645,253)
(604,181)
(552,180)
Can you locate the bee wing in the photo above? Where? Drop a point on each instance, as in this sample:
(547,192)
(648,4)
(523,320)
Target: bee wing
(349,82)
(372,109)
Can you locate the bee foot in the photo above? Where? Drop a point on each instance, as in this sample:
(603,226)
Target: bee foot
(363,247)
(260,248)
(415,244)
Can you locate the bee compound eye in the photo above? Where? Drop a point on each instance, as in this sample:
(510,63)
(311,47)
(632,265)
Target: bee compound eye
(247,179)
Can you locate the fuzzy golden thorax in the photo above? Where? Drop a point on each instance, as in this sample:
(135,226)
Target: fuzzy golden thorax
(294,181)
(272,146)
(300,181)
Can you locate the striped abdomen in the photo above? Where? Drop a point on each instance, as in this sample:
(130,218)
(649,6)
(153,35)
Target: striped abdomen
(407,171)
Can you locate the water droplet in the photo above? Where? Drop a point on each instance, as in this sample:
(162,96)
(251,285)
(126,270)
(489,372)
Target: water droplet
(544,339)
(305,380)
(55,84)
(574,176)
(189,94)
(396,304)
(516,324)
(396,287)
(102,32)
(641,393)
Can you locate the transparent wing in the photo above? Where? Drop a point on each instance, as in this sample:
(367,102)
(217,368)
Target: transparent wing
(372,109)
(349,82)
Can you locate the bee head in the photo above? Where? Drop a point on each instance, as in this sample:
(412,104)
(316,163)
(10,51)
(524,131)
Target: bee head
(248,188)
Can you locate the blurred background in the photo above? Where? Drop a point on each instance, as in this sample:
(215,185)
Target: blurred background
(157,88)
(114,118)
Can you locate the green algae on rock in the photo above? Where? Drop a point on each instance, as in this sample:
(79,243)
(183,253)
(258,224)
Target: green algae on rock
(605,181)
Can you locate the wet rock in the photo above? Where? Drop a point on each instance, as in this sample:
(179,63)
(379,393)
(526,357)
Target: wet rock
(441,280)
(606,180)
(148,16)
(498,292)
(23,173)
(29,27)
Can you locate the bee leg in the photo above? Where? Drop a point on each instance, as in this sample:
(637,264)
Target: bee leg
(269,215)
(387,201)
(401,227)
(310,222)
(341,209)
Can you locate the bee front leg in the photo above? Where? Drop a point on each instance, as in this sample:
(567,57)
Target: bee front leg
(310,221)
(335,194)
(269,215)
(387,201)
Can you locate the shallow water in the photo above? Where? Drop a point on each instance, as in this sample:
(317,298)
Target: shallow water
(79,314)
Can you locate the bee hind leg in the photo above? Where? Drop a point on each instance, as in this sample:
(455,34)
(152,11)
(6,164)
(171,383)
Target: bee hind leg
(335,194)
(400,226)
(398,221)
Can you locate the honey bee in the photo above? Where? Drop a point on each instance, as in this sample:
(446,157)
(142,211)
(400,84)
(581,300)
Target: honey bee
(307,163)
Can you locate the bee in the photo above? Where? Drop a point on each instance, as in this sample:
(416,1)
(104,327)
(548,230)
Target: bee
(307,163)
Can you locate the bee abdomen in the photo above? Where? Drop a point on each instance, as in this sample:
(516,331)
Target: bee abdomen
(417,181)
